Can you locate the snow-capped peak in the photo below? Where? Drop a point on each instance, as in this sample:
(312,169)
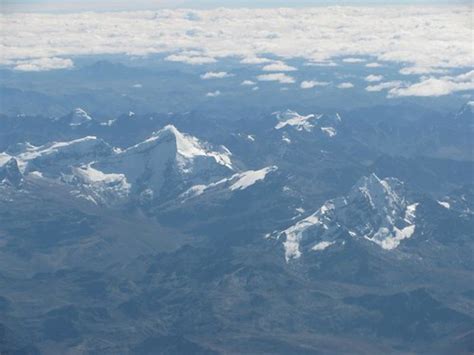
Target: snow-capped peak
(187,147)
(9,171)
(165,164)
(378,192)
(325,123)
(79,117)
(375,209)
(294,119)
(466,112)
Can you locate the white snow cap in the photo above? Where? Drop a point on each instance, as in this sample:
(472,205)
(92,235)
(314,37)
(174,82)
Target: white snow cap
(79,117)
(187,147)
(387,220)
(294,119)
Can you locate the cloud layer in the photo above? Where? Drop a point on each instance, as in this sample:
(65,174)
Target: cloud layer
(435,86)
(42,64)
(423,39)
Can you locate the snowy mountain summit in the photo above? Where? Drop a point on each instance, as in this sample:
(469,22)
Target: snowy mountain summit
(375,209)
(324,123)
(9,171)
(466,112)
(79,117)
(167,163)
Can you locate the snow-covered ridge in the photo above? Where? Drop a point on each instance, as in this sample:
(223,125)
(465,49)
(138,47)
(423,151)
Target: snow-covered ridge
(466,111)
(91,175)
(329,131)
(79,117)
(57,153)
(375,209)
(294,119)
(239,181)
(322,122)
(165,165)
(79,145)
(248,178)
(4,158)
(9,171)
(98,187)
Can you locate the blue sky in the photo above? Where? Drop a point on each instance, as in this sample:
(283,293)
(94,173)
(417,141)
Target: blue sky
(107,5)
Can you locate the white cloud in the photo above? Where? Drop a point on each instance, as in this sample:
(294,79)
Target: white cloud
(213,93)
(137,86)
(322,64)
(190,59)
(373,65)
(373,78)
(43,64)
(436,86)
(345,85)
(353,60)
(424,37)
(278,66)
(216,75)
(421,70)
(384,86)
(309,84)
(248,83)
(280,77)
(255,60)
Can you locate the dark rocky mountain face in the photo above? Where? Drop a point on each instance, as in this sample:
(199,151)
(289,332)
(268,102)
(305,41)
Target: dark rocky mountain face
(287,233)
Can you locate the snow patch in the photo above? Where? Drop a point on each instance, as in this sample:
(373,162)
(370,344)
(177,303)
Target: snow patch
(444,204)
(79,117)
(4,158)
(239,181)
(250,177)
(322,246)
(294,119)
(329,131)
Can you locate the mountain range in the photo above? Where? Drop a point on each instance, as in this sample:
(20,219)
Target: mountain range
(305,233)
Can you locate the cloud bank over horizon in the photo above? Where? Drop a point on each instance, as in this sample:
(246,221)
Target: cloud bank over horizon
(429,41)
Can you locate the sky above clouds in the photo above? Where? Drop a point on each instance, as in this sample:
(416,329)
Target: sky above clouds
(118,5)
(428,41)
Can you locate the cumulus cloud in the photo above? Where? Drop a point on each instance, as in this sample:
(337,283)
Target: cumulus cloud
(280,77)
(278,66)
(353,60)
(213,93)
(190,59)
(421,70)
(248,83)
(309,84)
(255,60)
(423,37)
(43,64)
(216,75)
(345,85)
(322,64)
(373,65)
(384,86)
(436,86)
(373,78)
